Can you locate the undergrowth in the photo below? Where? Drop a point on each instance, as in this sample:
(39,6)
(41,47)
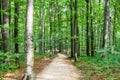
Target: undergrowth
(98,68)
(8,61)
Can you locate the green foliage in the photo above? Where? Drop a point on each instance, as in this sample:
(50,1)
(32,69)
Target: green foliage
(44,55)
(8,61)
(1,77)
(107,68)
(16,73)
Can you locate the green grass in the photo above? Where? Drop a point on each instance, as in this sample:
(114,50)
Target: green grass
(96,67)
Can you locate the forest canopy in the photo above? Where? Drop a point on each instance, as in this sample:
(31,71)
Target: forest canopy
(85,30)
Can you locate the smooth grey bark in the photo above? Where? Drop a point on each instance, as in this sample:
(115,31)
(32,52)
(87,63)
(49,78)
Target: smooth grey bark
(111,36)
(1,25)
(114,27)
(106,24)
(29,42)
(5,33)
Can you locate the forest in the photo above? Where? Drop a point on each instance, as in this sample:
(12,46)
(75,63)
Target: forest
(59,39)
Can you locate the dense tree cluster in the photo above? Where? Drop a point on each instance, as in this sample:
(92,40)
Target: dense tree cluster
(70,26)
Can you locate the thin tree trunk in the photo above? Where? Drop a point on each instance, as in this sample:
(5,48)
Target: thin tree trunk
(41,27)
(50,19)
(16,27)
(1,25)
(92,32)
(72,28)
(44,42)
(67,28)
(114,27)
(16,47)
(55,28)
(87,28)
(111,35)
(76,32)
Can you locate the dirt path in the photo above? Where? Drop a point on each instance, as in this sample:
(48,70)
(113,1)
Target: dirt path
(59,69)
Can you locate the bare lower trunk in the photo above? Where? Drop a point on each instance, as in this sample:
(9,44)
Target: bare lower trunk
(72,28)
(87,28)
(111,36)
(106,23)
(5,26)
(29,42)
(50,19)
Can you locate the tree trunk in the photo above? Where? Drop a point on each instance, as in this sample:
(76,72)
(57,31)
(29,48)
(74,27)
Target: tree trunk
(87,28)
(111,35)
(114,27)
(92,29)
(29,42)
(76,32)
(67,28)
(16,27)
(1,26)
(72,28)
(106,24)
(55,28)
(50,19)
(5,32)
(16,47)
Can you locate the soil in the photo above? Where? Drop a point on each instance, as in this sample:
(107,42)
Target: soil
(19,73)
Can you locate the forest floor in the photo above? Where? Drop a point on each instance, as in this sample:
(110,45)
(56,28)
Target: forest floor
(55,68)
(61,68)
(17,74)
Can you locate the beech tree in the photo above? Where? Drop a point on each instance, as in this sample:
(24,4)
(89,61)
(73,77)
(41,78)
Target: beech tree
(29,42)
(1,24)
(76,32)
(5,32)
(75,27)
(106,24)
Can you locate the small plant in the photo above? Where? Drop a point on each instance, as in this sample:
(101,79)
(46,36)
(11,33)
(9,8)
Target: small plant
(1,77)
(16,73)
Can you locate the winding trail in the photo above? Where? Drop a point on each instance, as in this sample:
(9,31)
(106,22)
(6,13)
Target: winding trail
(59,69)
